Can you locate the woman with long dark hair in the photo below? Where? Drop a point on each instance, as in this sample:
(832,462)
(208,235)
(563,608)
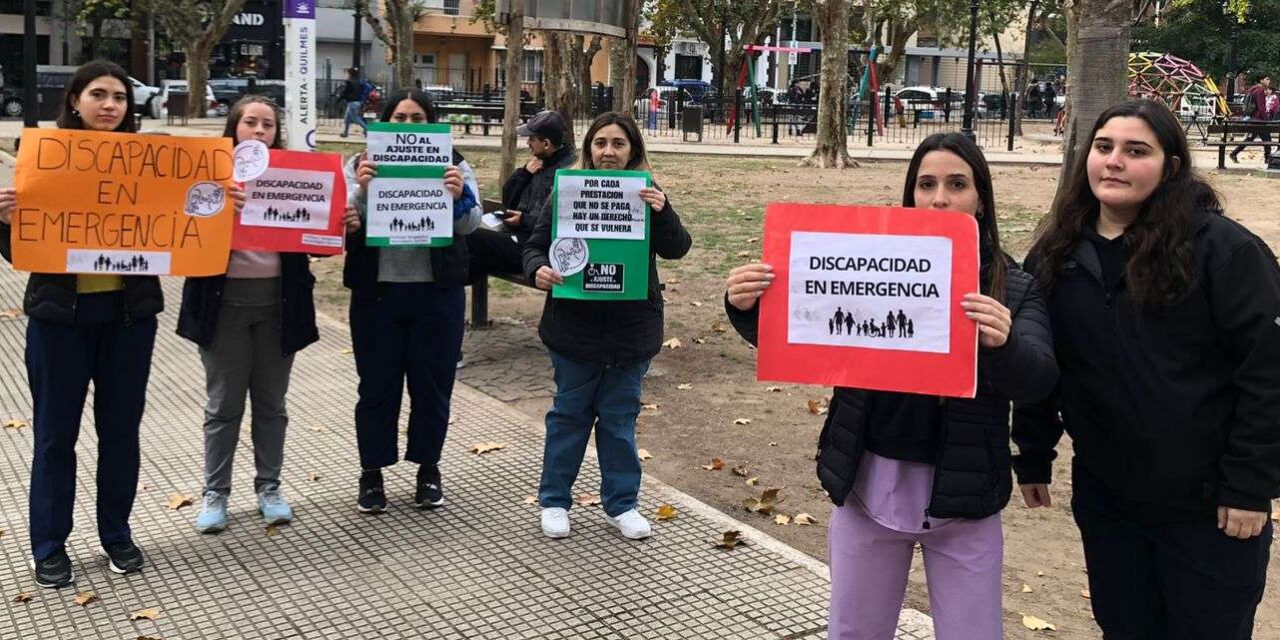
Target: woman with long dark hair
(248,324)
(406,324)
(600,350)
(904,468)
(1166,322)
(83,328)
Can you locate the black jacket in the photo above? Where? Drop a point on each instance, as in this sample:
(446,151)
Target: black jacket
(615,333)
(351,90)
(202,298)
(1175,410)
(52,296)
(972,476)
(526,192)
(360,270)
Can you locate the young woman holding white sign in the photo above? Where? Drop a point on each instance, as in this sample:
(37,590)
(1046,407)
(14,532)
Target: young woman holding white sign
(406,323)
(601,350)
(248,324)
(1166,318)
(904,469)
(83,328)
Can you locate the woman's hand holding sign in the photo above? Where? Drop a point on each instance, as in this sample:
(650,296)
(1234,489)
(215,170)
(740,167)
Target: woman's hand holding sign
(747,283)
(8,202)
(365,171)
(351,220)
(237,197)
(993,318)
(655,198)
(453,181)
(545,277)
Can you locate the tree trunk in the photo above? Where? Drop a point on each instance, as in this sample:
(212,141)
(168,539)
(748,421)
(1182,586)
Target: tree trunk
(197,78)
(585,59)
(622,60)
(832,150)
(1004,79)
(557,77)
(1097,70)
(1020,81)
(511,102)
(898,35)
(404,48)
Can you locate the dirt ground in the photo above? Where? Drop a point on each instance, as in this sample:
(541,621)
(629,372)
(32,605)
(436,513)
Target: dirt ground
(721,201)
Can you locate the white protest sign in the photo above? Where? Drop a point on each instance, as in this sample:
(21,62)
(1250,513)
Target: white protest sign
(409,211)
(407,144)
(602,206)
(873,291)
(288,198)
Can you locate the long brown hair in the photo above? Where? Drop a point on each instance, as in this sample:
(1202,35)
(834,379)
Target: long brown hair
(237,112)
(69,117)
(639,159)
(995,265)
(1159,273)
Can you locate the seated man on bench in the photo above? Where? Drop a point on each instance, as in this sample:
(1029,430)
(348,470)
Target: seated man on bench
(522,196)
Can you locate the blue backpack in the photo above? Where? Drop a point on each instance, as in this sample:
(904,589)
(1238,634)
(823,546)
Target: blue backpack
(366,88)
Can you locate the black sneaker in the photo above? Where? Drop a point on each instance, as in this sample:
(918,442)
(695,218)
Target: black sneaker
(429,494)
(54,572)
(125,557)
(372,499)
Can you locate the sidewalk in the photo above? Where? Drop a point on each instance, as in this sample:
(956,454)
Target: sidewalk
(478,567)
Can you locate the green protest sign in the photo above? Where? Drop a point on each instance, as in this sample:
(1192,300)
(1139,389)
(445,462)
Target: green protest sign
(600,235)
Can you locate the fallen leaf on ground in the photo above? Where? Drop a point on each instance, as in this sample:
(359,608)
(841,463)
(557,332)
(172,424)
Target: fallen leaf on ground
(142,487)
(644,454)
(740,470)
(85,597)
(1084,593)
(753,480)
(716,464)
(1040,574)
(16,424)
(718,327)
(752,240)
(313,476)
(666,512)
(486,447)
(272,530)
(816,408)
(695,303)
(729,540)
(588,500)
(1,533)
(744,254)
(700,340)
(154,637)
(1036,624)
(684,386)
(781,519)
(773,389)
(530,500)
(1026,588)
(742,421)
(348,351)
(178,501)
(11,313)
(24,597)
(673,343)
(145,614)
(773,444)
(316,428)
(764,504)
(805,519)
(649,407)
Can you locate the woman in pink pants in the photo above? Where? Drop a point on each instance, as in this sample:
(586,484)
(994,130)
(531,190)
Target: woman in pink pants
(903,468)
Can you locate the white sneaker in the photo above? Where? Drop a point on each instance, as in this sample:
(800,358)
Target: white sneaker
(555,522)
(631,524)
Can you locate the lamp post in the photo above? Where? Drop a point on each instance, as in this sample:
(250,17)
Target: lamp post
(30,110)
(1232,71)
(356,45)
(969,93)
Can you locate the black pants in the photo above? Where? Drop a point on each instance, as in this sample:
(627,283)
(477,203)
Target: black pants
(1175,581)
(495,252)
(1265,137)
(61,360)
(399,332)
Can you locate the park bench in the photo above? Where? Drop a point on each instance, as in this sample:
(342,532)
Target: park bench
(1229,128)
(480,281)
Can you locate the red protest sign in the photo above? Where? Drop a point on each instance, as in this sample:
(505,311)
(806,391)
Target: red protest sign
(295,206)
(869,297)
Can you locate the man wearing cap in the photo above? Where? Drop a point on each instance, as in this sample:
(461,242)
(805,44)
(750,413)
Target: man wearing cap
(522,196)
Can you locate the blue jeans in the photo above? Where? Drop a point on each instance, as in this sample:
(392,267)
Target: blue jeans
(353,115)
(608,398)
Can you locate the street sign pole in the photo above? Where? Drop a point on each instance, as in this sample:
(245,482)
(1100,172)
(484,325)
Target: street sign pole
(30,108)
(300,74)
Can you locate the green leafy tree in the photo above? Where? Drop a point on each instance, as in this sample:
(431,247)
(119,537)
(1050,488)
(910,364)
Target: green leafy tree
(194,27)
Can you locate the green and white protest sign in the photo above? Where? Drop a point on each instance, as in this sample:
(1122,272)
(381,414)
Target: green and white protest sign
(600,235)
(408,205)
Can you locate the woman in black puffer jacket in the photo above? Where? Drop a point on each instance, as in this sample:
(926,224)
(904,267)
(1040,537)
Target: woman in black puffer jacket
(904,468)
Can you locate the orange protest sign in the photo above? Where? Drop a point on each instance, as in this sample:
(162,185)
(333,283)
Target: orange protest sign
(98,202)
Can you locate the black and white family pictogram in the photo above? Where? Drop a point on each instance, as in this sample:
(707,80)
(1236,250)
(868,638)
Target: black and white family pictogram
(894,325)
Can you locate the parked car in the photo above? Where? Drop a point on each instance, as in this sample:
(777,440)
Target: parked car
(169,87)
(228,90)
(927,100)
(144,97)
(697,88)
